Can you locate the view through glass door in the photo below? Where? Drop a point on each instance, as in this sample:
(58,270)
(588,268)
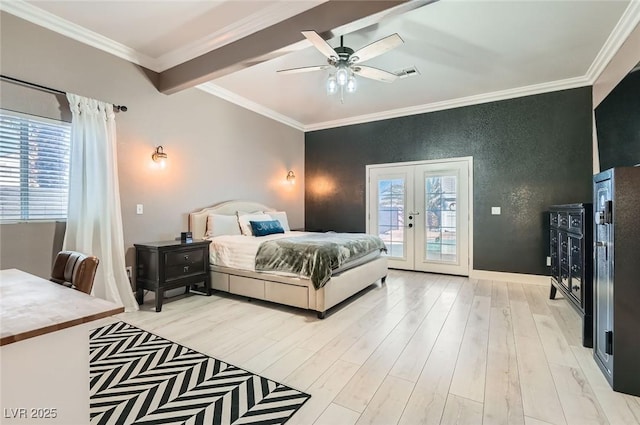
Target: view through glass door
(391,190)
(421,212)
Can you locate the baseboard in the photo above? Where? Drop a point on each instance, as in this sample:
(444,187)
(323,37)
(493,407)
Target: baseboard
(532,279)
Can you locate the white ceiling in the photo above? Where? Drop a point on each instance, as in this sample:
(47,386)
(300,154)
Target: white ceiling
(466,51)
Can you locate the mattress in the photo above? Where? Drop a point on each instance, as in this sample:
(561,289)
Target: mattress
(239,252)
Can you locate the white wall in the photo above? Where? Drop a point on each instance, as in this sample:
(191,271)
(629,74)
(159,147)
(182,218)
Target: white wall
(217,151)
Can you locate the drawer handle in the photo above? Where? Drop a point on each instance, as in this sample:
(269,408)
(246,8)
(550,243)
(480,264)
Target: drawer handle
(576,288)
(185,269)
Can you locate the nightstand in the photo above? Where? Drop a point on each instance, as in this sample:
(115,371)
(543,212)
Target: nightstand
(167,265)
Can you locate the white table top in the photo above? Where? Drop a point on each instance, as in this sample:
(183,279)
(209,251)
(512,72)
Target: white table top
(31,306)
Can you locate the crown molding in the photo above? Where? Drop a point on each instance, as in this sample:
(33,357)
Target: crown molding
(628,22)
(569,83)
(228,34)
(249,104)
(244,27)
(232,97)
(76,32)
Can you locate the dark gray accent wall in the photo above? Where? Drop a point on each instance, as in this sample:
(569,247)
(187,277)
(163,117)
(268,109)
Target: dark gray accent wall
(618,124)
(528,153)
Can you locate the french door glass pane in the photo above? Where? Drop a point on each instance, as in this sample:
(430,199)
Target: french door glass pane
(441,193)
(391,196)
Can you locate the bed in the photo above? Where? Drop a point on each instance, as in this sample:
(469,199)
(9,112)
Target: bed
(277,287)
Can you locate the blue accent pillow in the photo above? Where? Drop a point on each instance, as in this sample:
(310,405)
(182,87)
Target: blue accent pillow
(264,228)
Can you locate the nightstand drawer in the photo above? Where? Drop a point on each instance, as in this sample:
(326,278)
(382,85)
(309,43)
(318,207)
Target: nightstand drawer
(178,272)
(184,258)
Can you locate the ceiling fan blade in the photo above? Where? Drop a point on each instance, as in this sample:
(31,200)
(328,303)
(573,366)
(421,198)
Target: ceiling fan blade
(374,73)
(303,69)
(320,44)
(376,48)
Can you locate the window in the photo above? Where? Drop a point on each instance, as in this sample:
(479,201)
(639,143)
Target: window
(34,167)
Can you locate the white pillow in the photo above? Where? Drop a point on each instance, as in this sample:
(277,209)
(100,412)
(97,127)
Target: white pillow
(218,224)
(281,216)
(244,219)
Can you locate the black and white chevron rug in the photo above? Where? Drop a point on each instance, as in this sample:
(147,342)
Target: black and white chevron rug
(140,378)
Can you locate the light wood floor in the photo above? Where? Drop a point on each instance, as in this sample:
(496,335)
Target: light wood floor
(421,349)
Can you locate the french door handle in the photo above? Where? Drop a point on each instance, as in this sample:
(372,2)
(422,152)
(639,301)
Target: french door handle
(603,245)
(415,213)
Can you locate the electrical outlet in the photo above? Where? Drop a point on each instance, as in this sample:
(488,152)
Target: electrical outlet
(496,211)
(139,209)
(548,261)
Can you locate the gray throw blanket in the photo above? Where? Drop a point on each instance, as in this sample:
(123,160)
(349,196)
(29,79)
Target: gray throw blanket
(315,256)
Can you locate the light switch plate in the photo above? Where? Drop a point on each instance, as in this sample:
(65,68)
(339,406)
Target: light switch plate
(139,209)
(496,211)
(548,261)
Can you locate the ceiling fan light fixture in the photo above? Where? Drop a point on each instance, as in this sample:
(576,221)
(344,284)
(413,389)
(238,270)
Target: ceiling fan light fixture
(342,75)
(332,84)
(352,85)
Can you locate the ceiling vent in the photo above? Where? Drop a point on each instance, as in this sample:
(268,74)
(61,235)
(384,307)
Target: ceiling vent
(407,72)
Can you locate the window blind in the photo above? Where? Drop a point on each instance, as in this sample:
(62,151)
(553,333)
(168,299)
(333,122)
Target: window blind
(34,167)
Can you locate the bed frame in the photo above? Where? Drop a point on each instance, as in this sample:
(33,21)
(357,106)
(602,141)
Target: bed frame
(279,289)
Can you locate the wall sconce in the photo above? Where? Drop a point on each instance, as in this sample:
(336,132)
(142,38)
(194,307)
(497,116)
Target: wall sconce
(159,156)
(291,178)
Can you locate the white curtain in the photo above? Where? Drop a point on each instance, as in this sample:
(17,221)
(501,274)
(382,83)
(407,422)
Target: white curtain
(94,220)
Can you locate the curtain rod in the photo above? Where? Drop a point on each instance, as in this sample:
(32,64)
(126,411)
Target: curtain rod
(121,108)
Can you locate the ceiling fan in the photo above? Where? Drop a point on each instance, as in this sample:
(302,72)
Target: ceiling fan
(348,63)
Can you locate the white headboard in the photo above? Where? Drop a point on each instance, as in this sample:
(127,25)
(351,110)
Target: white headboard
(198,219)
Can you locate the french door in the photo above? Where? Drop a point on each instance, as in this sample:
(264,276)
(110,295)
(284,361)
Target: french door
(421,211)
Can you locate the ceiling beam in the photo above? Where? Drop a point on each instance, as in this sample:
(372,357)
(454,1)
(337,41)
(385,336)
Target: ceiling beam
(274,41)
